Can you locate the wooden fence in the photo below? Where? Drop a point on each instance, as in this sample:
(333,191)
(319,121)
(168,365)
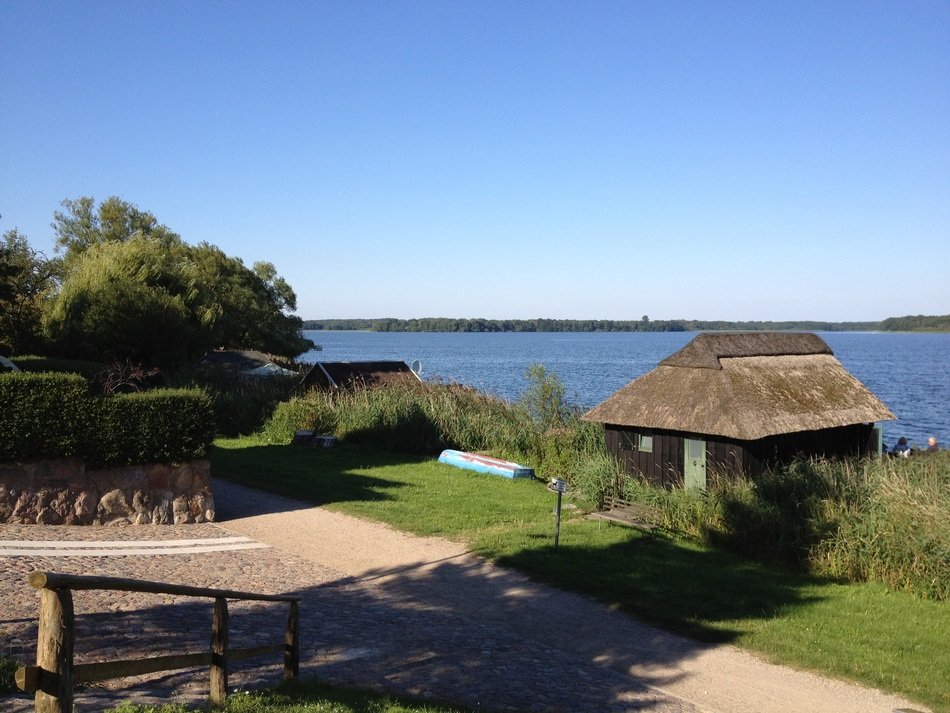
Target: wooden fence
(54,675)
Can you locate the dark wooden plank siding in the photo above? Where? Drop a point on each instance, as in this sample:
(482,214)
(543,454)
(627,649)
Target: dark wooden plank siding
(662,467)
(730,458)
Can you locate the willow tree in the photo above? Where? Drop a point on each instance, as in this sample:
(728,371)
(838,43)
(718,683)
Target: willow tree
(164,304)
(82,225)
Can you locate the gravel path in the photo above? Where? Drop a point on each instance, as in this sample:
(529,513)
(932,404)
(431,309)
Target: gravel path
(389,611)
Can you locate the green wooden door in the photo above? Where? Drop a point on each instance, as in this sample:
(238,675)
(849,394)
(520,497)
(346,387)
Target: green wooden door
(694,463)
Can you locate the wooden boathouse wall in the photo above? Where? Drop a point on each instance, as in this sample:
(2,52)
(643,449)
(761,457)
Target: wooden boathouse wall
(663,465)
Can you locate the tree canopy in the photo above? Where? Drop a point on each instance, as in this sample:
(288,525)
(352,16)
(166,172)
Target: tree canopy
(82,224)
(166,306)
(27,277)
(130,289)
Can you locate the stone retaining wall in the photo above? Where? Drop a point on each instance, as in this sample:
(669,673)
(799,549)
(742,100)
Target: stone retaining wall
(64,492)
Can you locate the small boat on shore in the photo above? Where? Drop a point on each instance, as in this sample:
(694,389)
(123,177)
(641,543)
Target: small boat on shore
(485,464)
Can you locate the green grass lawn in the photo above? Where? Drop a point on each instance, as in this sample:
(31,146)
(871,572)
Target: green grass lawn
(860,632)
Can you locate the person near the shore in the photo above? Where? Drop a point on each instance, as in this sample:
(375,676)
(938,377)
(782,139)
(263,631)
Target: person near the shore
(902,448)
(932,446)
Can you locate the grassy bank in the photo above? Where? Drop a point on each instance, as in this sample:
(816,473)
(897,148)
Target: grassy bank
(863,632)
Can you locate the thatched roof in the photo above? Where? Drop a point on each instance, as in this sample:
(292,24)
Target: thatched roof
(706,350)
(744,386)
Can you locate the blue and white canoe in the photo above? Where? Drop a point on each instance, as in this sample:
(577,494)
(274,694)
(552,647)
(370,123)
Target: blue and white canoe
(485,464)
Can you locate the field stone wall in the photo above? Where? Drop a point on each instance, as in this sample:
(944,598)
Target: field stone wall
(64,492)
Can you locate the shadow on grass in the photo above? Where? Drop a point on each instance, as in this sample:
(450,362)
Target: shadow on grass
(689,589)
(698,592)
(314,475)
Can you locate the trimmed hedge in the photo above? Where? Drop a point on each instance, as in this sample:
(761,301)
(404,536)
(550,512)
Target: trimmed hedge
(44,416)
(36,364)
(160,426)
(54,416)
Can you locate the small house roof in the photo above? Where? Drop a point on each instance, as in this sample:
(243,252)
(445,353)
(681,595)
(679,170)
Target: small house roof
(353,373)
(235,359)
(269,370)
(745,386)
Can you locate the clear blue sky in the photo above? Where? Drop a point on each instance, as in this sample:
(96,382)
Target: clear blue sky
(708,160)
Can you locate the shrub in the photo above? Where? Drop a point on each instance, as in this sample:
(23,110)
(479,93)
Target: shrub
(160,426)
(54,416)
(315,412)
(596,475)
(545,398)
(35,363)
(562,451)
(45,416)
(244,408)
(779,517)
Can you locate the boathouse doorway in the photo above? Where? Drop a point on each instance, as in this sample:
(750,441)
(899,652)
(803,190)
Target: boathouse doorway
(694,470)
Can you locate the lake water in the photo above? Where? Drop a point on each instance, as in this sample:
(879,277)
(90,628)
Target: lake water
(908,372)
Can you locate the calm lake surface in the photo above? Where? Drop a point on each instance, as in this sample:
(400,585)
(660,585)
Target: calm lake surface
(908,372)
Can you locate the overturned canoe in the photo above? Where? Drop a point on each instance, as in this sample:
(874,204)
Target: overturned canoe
(485,464)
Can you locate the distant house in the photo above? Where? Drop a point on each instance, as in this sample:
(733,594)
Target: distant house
(735,404)
(247,365)
(235,361)
(350,374)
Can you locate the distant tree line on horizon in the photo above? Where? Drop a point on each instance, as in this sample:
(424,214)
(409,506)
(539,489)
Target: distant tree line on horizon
(917,323)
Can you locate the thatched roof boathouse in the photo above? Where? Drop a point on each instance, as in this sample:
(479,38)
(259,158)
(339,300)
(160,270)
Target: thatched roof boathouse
(736,404)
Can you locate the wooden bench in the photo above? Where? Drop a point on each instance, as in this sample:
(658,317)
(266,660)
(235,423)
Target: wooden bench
(628,513)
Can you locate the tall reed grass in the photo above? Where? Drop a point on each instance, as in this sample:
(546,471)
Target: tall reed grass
(873,519)
(409,417)
(892,524)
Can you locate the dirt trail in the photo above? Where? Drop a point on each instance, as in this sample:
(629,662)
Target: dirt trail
(493,634)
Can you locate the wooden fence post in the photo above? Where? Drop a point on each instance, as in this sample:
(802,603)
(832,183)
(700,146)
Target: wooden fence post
(54,652)
(292,644)
(51,679)
(219,652)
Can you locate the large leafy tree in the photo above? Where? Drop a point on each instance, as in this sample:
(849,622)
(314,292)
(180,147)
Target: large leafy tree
(241,307)
(27,278)
(125,301)
(162,303)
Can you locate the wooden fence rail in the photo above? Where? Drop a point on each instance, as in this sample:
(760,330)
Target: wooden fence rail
(54,675)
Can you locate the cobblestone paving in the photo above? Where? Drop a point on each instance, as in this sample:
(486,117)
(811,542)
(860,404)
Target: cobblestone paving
(360,632)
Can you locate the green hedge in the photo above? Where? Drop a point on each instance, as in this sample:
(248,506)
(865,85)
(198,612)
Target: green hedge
(44,416)
(160,426)
(34,363)
(54,416)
